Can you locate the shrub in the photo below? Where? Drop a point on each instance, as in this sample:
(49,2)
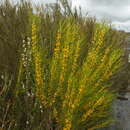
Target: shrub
(62,82)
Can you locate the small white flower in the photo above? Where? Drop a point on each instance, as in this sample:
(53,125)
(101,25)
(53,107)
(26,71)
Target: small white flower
(28,94)
(23,42)
(28,43)
(29,59)
(23,45)
(24,64)
(28,38)
(23,59)
(26,58)
(27,122)
(2,76)
(25,49)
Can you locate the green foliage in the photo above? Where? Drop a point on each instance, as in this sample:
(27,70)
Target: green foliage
(62,69)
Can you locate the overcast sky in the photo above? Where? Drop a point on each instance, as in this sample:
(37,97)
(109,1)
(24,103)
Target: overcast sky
(116,11)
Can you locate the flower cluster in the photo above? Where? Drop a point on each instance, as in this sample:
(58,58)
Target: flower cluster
(57,48)
(37,60)
(76,55)
(38,70)
(26,54)
(64,63)
(68,125)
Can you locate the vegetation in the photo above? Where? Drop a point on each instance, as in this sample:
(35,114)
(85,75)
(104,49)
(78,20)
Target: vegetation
(60,69)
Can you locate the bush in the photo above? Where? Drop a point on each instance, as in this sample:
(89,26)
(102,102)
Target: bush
(63,74)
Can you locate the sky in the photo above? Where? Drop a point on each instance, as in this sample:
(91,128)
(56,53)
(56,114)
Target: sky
(115,11)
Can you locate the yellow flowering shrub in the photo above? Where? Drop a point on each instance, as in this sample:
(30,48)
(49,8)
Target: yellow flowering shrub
(75,96)
(64,70)
(82,94)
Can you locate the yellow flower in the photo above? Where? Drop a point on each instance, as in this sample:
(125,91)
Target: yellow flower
(64,63)
(37,62)
(74,66)
(67,125)
(57,48)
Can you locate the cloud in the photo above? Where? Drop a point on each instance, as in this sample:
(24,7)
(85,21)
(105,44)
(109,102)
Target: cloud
(122,25)
(43,1)
(116,3)
(116,11)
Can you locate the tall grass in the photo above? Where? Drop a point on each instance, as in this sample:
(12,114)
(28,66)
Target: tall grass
(63,74)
